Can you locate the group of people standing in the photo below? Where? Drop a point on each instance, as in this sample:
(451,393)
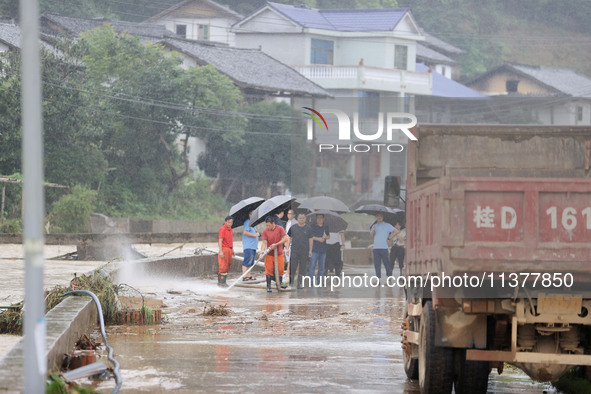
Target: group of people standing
(310,250)
(305,249)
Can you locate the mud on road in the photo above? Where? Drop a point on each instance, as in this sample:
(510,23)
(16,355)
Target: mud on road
(312,340)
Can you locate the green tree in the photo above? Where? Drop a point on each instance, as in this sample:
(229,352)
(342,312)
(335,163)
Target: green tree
(10,113)
(145,104)
(71,213)
(273,151)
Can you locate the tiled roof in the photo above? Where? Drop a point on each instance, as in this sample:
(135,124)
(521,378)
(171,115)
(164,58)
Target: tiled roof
(424,53)
(220,7)
(376,19)
(75,26)
(248,67)
(440,45)
(445,87)
(10,34)
(562,81)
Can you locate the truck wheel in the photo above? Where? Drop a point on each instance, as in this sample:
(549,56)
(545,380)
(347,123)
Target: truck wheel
(470,376)
(435,363)
(411,365)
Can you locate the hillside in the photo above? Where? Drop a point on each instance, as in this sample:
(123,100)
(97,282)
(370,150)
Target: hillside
(536,32)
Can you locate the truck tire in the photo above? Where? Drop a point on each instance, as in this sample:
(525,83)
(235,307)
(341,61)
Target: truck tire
(435,363)
(471,377)
(411,365)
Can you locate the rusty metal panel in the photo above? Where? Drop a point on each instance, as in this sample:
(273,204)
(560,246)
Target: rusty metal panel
(500,220)
(494,216)
(528,357)
(499,151)
(565,217)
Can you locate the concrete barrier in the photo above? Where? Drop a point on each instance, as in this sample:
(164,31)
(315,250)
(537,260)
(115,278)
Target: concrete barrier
(175,266)
(65,323)
(76,315)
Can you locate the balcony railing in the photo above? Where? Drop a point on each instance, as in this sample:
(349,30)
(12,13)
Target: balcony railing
(368,78)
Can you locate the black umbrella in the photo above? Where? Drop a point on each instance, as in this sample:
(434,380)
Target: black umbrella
(373,209)
(332,220)
(324,202)
(391,215)
(270,207)
(241,210)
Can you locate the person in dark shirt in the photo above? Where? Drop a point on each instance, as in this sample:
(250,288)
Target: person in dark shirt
(301,245)
(320,233)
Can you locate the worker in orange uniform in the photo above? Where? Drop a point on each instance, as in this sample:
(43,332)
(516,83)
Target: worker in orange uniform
(275,236)
(226,251)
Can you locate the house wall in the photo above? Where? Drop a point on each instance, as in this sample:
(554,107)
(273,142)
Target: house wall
(3,47)
(496,84)
(219,28)
(444,69)
(565,114)
(290,49)
(375,51)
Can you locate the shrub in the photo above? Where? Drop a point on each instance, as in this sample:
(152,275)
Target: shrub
(71,213)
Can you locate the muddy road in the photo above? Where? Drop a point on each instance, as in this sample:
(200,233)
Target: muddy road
(309,341)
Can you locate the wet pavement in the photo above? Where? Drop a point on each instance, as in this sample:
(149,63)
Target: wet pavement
(309,341)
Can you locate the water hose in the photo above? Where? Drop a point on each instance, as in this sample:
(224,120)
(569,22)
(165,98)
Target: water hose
(99,309)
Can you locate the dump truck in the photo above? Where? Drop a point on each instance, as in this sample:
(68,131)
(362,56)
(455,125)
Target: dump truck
(498,253)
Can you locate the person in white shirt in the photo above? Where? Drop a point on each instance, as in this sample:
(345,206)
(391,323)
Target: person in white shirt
(398,236)
(335,244)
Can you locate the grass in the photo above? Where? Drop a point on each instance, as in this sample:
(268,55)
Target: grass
(102,286)
(574,382)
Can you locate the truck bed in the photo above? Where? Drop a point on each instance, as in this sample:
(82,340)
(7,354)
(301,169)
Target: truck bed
(469,224)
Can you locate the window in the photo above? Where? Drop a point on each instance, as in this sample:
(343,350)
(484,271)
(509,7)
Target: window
(203,32)
(369,105)
(511,85)
(579,113)
(400,57)
(322,51)
(181,30)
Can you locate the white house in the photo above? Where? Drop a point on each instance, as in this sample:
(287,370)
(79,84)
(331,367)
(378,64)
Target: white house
(199,20)
(345,50)
(365,58)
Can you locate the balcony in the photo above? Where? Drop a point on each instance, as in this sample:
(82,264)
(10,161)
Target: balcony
(368,78)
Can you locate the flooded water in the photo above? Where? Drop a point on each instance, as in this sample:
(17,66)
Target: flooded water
(309,341)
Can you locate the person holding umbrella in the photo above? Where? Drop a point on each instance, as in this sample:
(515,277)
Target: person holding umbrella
(250,241)
(380,233)
(226,250)
(275,237)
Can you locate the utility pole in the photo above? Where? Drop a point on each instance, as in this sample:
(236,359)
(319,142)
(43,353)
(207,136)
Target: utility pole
(35,363)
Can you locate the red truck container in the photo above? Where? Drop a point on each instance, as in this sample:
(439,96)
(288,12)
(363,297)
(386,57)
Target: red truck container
(498,253)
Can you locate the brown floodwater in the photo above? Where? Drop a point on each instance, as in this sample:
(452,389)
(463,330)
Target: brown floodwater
(309,341)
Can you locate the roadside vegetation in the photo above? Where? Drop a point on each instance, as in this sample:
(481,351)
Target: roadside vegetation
(118,115)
